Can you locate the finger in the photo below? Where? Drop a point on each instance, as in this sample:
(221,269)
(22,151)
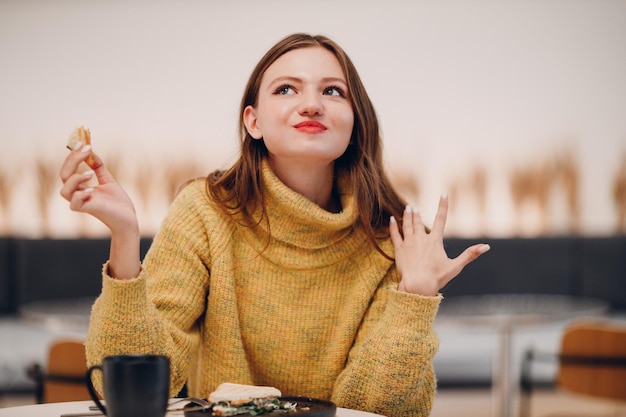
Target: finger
(76,182)
(79,198)
(471,253)
(102,173)
(461,261)
(73,160)
(96,161)
(418,224)
(441,217)
(394,232)
(407,221)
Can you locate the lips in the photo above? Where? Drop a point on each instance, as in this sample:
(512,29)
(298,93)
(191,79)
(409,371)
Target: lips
(310,126)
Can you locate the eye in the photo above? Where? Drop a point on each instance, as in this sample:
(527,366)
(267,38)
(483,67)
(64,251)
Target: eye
(334,91)
(284,90)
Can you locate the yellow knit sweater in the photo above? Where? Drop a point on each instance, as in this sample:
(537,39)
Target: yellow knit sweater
(316,312)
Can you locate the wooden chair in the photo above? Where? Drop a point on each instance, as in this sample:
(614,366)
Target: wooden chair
(64,376)
(592,362)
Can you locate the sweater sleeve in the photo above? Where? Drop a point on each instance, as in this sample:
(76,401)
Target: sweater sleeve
(158,311)
(389,369)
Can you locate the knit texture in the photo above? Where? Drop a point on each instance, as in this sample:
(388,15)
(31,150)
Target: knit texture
(315,312)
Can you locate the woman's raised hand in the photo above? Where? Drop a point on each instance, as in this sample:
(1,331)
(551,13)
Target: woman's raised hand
(421,259)
(108,202)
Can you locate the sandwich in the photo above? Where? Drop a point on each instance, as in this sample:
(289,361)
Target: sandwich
(81,135)
(231,399)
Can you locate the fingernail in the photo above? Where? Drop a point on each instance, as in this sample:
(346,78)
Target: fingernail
(444,196)
(484,248)
(86,149)
(88,190)
(88,174)
(408,208)
(392,219)
(78,146)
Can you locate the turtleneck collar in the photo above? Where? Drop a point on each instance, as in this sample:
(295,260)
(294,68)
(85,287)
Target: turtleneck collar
(302,235)
(298,221)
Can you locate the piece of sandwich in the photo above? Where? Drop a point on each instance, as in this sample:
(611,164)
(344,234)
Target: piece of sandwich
(231,399)
(81,135)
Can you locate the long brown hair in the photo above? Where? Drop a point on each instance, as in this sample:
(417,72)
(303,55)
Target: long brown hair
(239,189)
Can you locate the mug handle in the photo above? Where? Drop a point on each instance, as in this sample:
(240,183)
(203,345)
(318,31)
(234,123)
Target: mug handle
(92,390)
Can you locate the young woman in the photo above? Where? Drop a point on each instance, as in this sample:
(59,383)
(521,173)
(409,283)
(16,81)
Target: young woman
(299,267)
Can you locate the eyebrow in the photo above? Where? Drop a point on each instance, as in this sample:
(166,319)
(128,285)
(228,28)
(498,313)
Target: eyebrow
(289,78)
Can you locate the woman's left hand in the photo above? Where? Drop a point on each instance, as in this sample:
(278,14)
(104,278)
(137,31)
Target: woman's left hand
(421,259)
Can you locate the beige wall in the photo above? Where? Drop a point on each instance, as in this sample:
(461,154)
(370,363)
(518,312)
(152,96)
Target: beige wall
(463,89)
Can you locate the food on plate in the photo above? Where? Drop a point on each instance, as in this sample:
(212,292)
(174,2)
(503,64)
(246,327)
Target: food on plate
(231,399)
(81,135)
(229,391)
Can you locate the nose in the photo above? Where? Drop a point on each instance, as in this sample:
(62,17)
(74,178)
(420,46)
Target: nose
(311,103)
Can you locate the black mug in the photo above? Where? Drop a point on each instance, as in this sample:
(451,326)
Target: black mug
(134,385)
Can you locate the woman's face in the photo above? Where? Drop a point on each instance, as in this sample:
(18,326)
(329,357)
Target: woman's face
(303,111)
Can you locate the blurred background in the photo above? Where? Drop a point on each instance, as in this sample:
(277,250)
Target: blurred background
(516,108)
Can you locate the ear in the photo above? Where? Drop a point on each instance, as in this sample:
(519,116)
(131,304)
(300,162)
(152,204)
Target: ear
(251,122)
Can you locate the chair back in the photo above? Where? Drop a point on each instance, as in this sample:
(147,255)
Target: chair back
(593,359)
(64,379)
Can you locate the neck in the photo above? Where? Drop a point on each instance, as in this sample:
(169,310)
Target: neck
(316,183)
